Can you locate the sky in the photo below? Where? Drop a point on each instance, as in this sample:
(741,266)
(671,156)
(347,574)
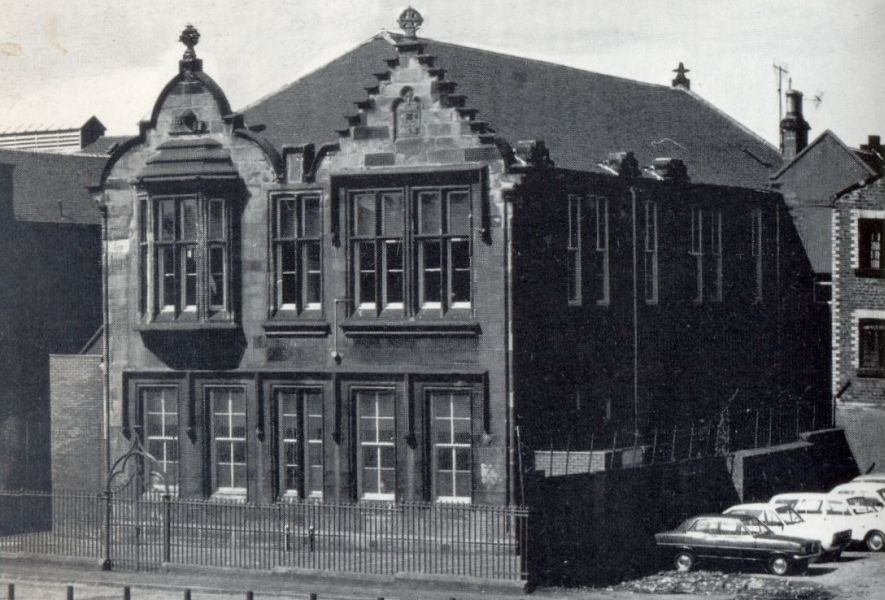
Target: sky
(62,61)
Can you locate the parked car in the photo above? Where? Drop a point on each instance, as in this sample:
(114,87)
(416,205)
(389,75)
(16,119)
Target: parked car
(737,537)
(867,525)
(877,477)
(785,520)
(873,489)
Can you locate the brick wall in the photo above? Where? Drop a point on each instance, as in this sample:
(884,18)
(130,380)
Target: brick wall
(75,392)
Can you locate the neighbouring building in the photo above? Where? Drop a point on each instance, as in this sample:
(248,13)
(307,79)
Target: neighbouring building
(65,139)
(50,297)
(393,302)
(813,174)
(859,318)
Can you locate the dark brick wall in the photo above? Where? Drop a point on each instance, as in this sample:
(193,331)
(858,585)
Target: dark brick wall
(692,357)
(50,302)
(76,420)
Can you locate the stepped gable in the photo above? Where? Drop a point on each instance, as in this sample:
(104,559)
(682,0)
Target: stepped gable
(413,115)
(582,116)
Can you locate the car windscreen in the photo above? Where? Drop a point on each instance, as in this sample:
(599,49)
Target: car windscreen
(838,507)
(755,527)
(860,505)
(788,515)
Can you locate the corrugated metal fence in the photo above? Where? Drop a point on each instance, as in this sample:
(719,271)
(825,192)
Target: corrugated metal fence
(385,539)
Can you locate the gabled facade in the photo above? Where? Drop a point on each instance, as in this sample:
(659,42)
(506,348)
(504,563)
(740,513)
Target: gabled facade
(859,317)
(401,312)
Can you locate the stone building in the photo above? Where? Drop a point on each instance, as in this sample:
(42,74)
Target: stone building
(393,303)
(859,317)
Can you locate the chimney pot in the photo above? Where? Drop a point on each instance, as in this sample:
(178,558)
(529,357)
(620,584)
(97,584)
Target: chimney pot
(670,169)
(794,127)
(624,164)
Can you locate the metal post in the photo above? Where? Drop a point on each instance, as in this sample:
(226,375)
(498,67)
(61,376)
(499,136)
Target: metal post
(250,595)
(568,447)
(550,471)
(673,446)
(313,596)
(756,432)
(770,424)
(590,454)
(614,446)
(127,593)
(107,564)
(70,592)
(690,441)
(797,420)
(187,594)
(10,591)
(167,528)
(635,444)
(311,538)
(654,446)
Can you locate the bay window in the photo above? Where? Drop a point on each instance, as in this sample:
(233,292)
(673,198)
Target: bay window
(184,254)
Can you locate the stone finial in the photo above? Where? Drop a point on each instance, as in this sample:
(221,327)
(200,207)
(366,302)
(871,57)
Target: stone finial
(189,37)
(410,22)
(681,80)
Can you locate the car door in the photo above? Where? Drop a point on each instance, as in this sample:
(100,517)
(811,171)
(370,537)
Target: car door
(734,541)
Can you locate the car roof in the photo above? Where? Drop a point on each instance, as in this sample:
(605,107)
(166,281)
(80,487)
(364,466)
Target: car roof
(807,496)
(751,506)
(862,486)
(878,477)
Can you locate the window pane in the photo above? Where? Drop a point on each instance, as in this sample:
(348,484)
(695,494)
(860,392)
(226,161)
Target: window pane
(393,214)
(216,276)
(287,275)
(444,459)
(430,217)
(388,481)
(460,270)
(462,485)
(216,220)
(311,265)
(311,216)
(444,485)
(431,271)
(462,459)
(190,271)
(286,218)
(366,275)
(459,213)
(365,215)
(393,267)
(189,220)
(167,270)
(167,220)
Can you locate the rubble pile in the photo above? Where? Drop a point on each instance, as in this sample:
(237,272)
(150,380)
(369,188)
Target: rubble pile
(745,587)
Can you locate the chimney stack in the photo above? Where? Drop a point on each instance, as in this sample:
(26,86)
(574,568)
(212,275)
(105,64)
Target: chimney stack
(794,127)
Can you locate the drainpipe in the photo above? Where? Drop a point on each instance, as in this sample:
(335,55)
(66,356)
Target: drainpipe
(106,344)
(635,319)
(508,359)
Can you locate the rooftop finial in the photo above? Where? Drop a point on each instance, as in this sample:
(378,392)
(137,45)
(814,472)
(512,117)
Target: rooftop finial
(410,22)
(189,37)
(681,80)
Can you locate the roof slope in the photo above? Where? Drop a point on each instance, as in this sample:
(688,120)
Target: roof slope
(582,116)
(51,188)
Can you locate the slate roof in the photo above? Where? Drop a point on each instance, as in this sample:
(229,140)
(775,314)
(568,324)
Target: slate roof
(582,116)
(51,188)
(105,144)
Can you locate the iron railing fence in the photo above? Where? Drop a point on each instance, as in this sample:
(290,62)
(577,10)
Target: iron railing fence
(375,538)
(578,451)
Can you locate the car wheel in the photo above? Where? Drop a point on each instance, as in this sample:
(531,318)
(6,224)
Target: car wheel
(779,565)
(684,561)
(875,541)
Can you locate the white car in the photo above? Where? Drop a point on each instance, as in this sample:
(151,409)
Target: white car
(783,520)
(873,489)
(877,477)
(867,525)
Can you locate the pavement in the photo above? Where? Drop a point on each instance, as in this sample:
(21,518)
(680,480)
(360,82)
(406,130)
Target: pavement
(857,576)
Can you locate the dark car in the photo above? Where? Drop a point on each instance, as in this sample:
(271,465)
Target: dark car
(737,537)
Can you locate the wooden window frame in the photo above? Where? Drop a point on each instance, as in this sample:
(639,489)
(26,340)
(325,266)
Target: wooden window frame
(299,244)
(650,254)
(434,446)
(602,247)
(573,250)
(696,250)
(143,432)
(377,444)
(212,439)
(870,251)
(870,370)
(305,486)
(756,250)
(199,267)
